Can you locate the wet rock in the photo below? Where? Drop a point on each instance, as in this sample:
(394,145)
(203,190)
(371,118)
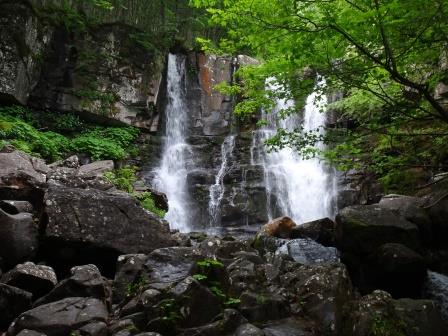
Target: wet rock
(13,301)
(94,169)
(392,265)
(93,329)
(242,276)
(36,279)
(222,249)
(362,228)
(323,290)
(18,237)
(322,231)
(248,329)
(85,281)
(106,220)
(263,306)
(129,268)
(379,313)
(307,251)
(61,317)
(436,289)
(198,305)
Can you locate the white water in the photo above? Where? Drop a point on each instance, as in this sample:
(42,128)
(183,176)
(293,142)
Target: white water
(301,189)
(217,189)
(177,159)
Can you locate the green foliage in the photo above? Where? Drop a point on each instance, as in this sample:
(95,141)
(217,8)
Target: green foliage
(123,178)
(383,326)
(169,311)
(136,287)
(147,201)
(386,57)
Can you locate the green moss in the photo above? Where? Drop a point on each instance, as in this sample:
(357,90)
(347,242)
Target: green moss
(401,182)
(386,326)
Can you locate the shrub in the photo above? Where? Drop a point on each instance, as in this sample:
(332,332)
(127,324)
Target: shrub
(123,178)
(147,201)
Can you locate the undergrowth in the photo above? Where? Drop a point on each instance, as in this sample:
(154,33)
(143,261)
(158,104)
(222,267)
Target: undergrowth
(54,136)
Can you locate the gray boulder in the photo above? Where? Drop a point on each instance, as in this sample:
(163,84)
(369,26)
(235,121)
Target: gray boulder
(13,301)
(36,279)
(322,231)
(61,317)
(97,168)
(106,220)
(18,237)
(307,251)
(436,289)
(18,163)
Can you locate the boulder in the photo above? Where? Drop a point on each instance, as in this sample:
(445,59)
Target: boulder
(436,203)
(363,228)
(258,307)
(197,304)
(248,329)
(13,301)
(392,265)
(23,40)
(289,327)
(322,291)
(70,162)
(18,237)
(129,269)
(93,329)
(36,279)
(379,314)
(85,281)
(307,252)
(436,289)
(112,221)
(60,318)
(26,332)
(16,207)
(322,231)
(18,163)
(94,169)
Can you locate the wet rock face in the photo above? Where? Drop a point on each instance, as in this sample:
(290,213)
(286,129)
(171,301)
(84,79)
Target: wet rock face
(23,41)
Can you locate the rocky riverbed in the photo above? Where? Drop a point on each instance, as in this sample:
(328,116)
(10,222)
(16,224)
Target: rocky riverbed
(81,258)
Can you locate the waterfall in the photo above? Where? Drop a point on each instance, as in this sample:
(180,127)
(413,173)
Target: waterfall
(177,157)
(217,189)
(301,189)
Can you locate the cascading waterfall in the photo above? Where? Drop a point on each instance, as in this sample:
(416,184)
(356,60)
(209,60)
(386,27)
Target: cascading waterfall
(301,189)
(217,189)
(177,157)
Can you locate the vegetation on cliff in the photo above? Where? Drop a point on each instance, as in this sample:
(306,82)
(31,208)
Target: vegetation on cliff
(386,60)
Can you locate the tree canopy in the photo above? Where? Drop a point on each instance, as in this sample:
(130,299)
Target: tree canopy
(388,59)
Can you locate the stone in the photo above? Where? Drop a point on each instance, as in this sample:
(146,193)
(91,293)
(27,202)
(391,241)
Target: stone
(70,162)
(248,329)
(363,228)
(242,276)
(26,332)
(323,290)
(61,317)
(36,279)
(23,40)
(322,231)
(288,327)
(198,305)
(307,251)
(94,329)
(170,265)
(13,301)
(94,169)
(257,307)
(85,281)
(436,289)
(112,221)
(392,265)
(18,237)
(15,207)
(379,313)
(15,163)
(129,268)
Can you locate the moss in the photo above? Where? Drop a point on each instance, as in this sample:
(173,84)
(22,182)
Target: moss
(386,326)
(401,182)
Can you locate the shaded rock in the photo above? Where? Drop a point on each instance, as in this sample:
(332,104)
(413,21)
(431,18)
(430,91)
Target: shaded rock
(129,268)
(379,314)
(170,265)
(85,281)
(410,209)
(23,40)
(362,228)
(16,207)
(26,332)
(323,290)
(105,220)
(307,251)
(36,279)
(263,306)
(198,305)
(436,289)
(97,168)
(70,162)
(18,237)
(392,265)
(289,327)
(94,329)
(61,317)
(13,301)
(322,231)
(242,276)
(222,249)
(248,329)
